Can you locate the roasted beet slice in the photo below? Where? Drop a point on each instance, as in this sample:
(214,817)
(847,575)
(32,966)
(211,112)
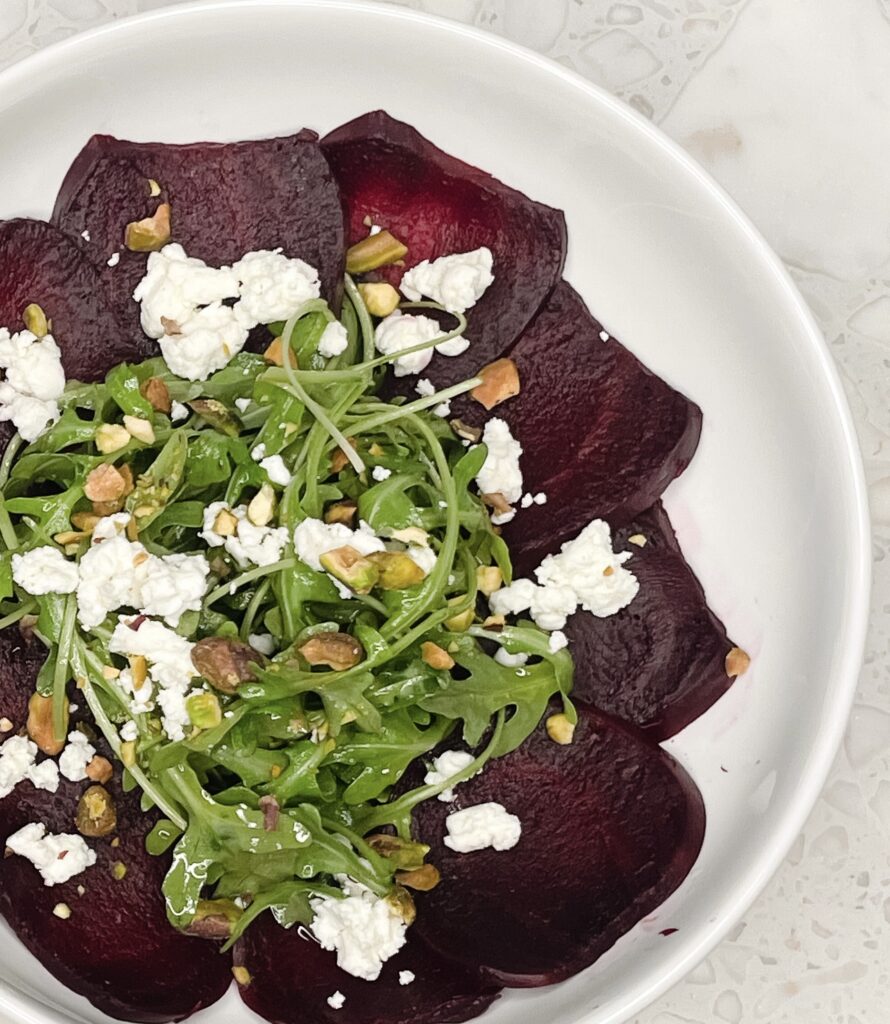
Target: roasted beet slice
(659,663)
(42,265)
(601,435)
(227,199)
(610,827)
(438,205)
(292,978)
(117,947)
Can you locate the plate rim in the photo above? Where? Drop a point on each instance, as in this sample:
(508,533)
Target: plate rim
(828,739)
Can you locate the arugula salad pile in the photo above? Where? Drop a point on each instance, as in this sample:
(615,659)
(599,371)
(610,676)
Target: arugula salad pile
(317,686)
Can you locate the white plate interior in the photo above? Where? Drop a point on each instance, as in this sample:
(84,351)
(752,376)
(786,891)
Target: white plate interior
(771,514)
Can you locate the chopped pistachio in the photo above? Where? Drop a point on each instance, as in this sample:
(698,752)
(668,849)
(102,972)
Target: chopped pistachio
(119,870)
(105,483)
(241,975)
(157,394)
(489,579)
(151,233)
(397,570)
(204,710)
(338,651)
(373,252)
(560,729)
(500,381)
(40,724)
(411,535)
(99,769)
(637,539)
(62,910)
(466,431)
(737,662)
(111,437)
(261,508)
(85,521)
(218,415)
(380,298)
(35,320)
(6,724)
(341,512)
(403,903)
(154,189)
(351,567)
(274,354)
(96,813)
(463,620)
(128,753)
(423,879)
(225,663)
(404,853)
(435,656)
(226,523)
(139,428)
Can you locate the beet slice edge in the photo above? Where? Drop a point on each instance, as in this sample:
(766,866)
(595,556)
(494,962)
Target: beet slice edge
(611,827)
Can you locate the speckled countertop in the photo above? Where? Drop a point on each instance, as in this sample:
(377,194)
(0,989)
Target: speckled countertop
(787,103)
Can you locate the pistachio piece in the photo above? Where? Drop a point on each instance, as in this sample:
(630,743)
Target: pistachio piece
(171,327)
(500,381)
(154,189)
(404,853)
(465,431)
(637,539)
(226,523)
(218,415)
(70,538)
(489,579)
(463,620)
(96,814)
(560,729)
(99,769)
(225,663)
(340,460)
(119,870)
(204,710)
(380,299)
(403,903)
(40,724)
(128,753)
(214,919)
(241,975)
(435,656)
(85,521)
(373,252)
(341,512)
(411,535)
(150,234)
(261,508)
(737,662)
(62,911)
(338,651)
(157,394)
(351,567)
(497,503)
(423,879)
(140,428)
(397,570)
(274,354)
(106,483)
(35,320)
(111,437)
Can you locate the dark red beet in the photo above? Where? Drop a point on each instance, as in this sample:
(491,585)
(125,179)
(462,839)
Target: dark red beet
(40,264)
(610,827)
(227,199)
(659,663)
(117,948)
(293,978)
(601,435)
(439,205)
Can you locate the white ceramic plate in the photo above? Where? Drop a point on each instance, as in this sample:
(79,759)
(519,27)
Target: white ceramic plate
(771,514)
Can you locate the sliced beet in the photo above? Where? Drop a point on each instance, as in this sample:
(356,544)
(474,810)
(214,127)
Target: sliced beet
(117,948)
(226,198)
(42,265)
(660,662)
(437,205)
(610,827)
(602,436)
(292,978)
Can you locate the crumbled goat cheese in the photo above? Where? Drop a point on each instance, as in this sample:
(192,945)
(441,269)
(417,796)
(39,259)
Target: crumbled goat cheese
(241,404)
(380,473)
(333,340)
(481,826)
(604,335)
(44,570)
(172,585)
(426,389)
(504,657)
(500,473)
(113,259)
(558,640)
(258,452)
(586,573)
(444,767)
(406,977)
(17,757)
(336,1000)
(264,643)
(175,286)
(107,579)
(249,545)
(170,670)
(276,470)
(204,343)
(56,857)
(76,756)
(313,538)
(178,412)
(129,731)
(34,381)
(364,929)
(399,331)
(273,287)
(457,281)
(85,235)
(423,556)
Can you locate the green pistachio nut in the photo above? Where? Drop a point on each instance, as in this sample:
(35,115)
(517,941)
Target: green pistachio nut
(351,567)
(204,710)
(397,570)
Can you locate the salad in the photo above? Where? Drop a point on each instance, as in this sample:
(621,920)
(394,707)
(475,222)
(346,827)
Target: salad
(339,616)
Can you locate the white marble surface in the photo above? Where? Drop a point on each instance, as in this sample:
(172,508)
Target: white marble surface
(787,103)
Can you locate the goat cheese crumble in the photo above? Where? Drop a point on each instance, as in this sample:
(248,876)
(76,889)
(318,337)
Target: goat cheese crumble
(314,538)
(500,473)
(76,756)
(204,343)
(276,470)
(444,767)
(57,857)
(333,341)
(456,282)
(273,286)
(17,763)
(249,544)
(45,570)
(482,826)
(33,381)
